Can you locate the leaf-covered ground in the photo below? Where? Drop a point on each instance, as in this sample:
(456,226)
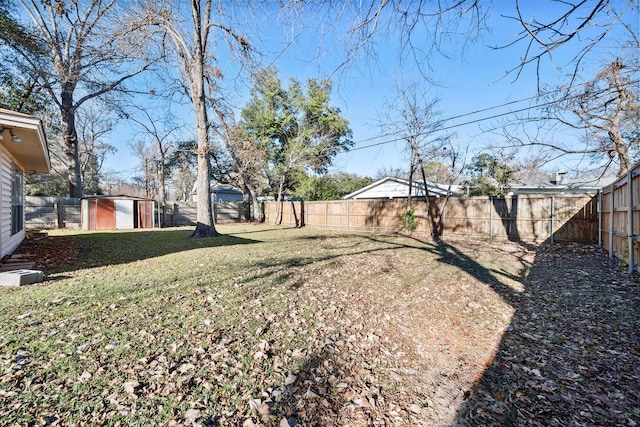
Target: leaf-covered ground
(283,327)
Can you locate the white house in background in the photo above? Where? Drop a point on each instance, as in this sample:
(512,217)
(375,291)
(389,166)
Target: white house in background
(396,188)
(225,193)
(23,148)
(562,185)
(222,193)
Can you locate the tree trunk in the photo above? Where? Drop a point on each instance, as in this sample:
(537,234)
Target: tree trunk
(279,206)
(435,219)
(411,170)
(162,196)
(615,134)
(70,136)
(205,226)
(257,213)
(204,212)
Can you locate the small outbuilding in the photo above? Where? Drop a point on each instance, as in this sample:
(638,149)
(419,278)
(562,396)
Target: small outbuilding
(23,149)
(117,213)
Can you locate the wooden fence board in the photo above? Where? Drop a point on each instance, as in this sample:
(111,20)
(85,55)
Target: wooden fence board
(620,218)
(528,218)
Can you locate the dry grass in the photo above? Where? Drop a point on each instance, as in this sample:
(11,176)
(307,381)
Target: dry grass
(268,326)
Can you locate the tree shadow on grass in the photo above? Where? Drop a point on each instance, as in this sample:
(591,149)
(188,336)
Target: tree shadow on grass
(571,353)
(570,356)
(122,247)
(330,388)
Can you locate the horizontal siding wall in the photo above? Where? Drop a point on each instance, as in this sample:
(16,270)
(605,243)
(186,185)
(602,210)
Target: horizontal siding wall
(7,242)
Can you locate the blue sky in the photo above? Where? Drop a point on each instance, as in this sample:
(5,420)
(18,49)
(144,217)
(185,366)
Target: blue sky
(468,81)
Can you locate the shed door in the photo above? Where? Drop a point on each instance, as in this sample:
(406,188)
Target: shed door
(145,210)
(124,214)
(103,214)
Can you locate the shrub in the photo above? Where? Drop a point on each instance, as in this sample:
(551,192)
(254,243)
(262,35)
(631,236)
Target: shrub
(409,220)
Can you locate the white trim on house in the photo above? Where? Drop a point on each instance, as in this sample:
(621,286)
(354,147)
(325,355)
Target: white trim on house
(32,154)
(29,155)
(396,188)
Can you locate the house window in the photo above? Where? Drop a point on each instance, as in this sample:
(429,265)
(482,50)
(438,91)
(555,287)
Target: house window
(17,200)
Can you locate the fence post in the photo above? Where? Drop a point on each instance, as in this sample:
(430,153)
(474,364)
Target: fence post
(612,227)
(326,214)
(490,218)
(305,215)
(58,211)
(553,214)
(630,232)
(348,216)
(373,217)
(599,209)
(443,218)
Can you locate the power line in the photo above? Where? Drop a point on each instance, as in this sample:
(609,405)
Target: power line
(476,120)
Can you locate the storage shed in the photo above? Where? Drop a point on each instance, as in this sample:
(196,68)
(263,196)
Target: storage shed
(117,213)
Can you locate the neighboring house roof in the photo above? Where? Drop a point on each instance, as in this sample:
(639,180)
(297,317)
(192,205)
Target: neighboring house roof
(31,151)
(561,186)
(393,188)
(114,197)
(220,189)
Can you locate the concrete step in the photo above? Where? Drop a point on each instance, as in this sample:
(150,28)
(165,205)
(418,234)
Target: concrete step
(22,265)
(20,277)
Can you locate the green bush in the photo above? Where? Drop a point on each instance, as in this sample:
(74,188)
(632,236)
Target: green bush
(409,220)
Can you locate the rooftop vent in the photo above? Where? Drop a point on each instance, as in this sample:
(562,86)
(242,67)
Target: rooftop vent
(561,178)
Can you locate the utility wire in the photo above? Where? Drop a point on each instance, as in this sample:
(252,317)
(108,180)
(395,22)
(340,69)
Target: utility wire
(482,110)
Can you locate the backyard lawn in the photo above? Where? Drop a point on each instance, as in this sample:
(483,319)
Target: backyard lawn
(283,326)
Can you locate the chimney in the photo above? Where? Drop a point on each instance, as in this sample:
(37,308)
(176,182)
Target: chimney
(561,178)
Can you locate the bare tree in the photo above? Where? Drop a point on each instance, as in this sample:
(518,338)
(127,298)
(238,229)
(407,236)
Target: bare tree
(158,131)
(247,159)
(193,50)
(605,111)
(87,53)
(609,109)
(145,153)
(92,125)
(392,172)
(416,119)
(581,24)
(420,29)
(183,174)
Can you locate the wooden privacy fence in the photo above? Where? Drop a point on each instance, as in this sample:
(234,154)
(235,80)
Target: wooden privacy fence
(64,212)
(526,218)
(184,213)
(52,212)
(620,219)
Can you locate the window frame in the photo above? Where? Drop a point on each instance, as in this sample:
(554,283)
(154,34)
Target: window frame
(17,199)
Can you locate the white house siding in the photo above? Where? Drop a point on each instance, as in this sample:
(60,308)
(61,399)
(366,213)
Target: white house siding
(7,242)
(390,189)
